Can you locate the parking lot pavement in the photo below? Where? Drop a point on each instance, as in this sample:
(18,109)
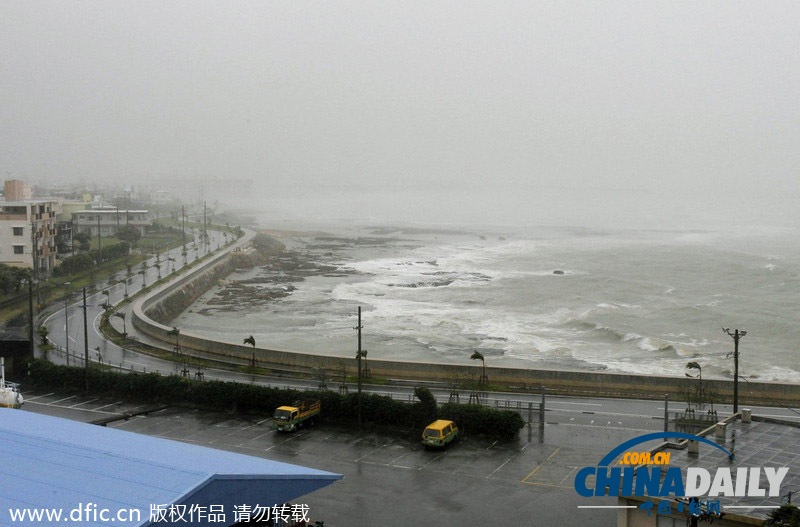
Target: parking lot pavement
(77,407)
(390,479)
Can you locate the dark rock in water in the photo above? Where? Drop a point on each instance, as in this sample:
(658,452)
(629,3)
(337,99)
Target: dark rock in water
(501,238)
(558,271)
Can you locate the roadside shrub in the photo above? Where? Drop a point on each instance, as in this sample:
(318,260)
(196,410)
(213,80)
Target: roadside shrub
(377,410)
(476,419)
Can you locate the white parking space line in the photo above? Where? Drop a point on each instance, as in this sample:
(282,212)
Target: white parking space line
(27,400)
(498,468)
(53,403)
(371,452)
(69,408)
(84,402)
(112,404)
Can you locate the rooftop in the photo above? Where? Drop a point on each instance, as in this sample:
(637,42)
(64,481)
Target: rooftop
(108,211)
(49,462)
(22,203)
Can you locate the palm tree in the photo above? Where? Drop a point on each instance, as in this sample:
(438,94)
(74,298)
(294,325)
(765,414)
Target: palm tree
(175,332)
(699,392)
(252,341)
(477,355)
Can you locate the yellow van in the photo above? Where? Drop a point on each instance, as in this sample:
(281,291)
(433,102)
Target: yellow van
(439,433)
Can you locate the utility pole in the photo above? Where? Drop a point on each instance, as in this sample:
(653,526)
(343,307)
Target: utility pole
(205,234)
(183,225)
(35,255)
(735,335)
(66,316)
(358,357)
(35,250)
(99,241)
(30,313)
(85,345)
(117,217)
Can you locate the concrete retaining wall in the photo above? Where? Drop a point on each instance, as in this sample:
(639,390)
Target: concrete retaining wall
(174,296)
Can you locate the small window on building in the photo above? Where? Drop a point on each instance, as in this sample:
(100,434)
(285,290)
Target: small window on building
(19,249)
(18,231)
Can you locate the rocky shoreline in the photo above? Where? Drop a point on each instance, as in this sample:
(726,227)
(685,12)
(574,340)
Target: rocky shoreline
(280,275)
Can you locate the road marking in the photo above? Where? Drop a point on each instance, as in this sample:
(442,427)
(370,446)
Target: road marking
(548,485)
(53,403)
(603,426)
(525,480)
(498,468)
(370,453)
(112,404)
(434,459)
(392,462)
(68,408)
(571,470)
(84,402)
(27,400)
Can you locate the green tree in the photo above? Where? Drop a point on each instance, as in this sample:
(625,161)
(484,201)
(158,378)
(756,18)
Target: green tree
(423,412)
(82,238)
(43,332)
(130,234)
(20,275)
(6,278)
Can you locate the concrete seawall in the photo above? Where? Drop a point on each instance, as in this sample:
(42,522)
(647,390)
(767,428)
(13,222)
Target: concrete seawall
(170,299)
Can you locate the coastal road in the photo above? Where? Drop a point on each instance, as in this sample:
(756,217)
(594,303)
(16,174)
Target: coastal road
(65,326)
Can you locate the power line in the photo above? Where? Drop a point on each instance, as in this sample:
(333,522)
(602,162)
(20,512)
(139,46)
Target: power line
(765,394)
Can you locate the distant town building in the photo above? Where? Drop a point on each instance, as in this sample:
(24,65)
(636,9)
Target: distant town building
(108,220)
(161,197)
(28,233)
(16,190)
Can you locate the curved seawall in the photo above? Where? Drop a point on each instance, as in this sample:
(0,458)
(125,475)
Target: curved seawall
(153,312)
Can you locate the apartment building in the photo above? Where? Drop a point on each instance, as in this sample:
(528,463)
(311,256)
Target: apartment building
(28,234)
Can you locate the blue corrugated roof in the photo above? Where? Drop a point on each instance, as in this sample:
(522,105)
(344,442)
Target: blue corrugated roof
(48,462)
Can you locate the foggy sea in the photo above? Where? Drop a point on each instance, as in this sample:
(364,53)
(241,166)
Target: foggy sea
(628,301)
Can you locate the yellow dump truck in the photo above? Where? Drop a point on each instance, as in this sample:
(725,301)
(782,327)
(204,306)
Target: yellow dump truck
(289,418)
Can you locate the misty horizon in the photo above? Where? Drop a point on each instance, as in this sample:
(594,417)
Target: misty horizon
(562,105)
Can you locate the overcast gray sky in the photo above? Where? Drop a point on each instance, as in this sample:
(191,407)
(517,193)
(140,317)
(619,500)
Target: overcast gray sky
(667,97)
